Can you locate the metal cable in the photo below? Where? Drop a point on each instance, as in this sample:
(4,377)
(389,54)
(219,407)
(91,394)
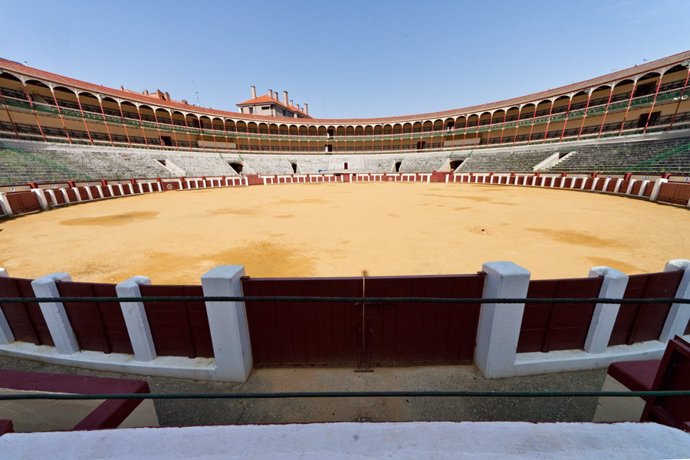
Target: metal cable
(349,394)
(321,299)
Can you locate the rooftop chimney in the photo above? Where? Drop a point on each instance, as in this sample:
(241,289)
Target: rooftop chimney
(253,92)
(285,97)
(291,104)
(306,108)
(270,93)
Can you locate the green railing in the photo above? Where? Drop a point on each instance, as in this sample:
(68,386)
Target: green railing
(169,128)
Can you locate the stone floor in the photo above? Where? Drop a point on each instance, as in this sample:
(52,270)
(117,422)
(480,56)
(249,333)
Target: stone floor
(305,410)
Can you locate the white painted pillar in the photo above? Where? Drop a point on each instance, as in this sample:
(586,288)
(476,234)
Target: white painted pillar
(584,181)
(135,318)
(88,192)
(617,188)
(657,186)
(499,324)
(228,323)
(131,189)
(679,314)
(606,184)
(605,314)
(6,335)
(628,191)
(642,188)
(54,313)
(159,186)
(5,205)
(112,192)
(51,196)
(179,182)
(100,191)
(41,195)
(65,195)
(77,194)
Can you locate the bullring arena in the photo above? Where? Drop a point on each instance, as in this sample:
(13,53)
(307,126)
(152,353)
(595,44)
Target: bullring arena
(542,234)
(384,229)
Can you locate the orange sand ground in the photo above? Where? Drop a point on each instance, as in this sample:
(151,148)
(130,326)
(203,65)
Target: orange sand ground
(344,229)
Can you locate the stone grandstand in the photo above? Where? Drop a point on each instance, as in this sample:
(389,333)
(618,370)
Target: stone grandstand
(27,161)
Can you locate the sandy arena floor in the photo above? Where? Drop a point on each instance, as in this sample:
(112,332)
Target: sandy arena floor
(343,230)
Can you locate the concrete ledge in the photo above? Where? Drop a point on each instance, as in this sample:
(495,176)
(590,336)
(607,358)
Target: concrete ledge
(164,366)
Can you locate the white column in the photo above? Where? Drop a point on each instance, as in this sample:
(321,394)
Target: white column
(643,187)
(606,184)
(657,186)
(605,314)
(499,324)
(628,191)
(110,188)
(228,323)
(131,188)
(617,188)
(6,335)
(51,195)
(5,205)
(88,192)
(41,195)
(594,184)
(135,318)
(65,195)
(54,313)
(679,314)
(100,191)
(122,191)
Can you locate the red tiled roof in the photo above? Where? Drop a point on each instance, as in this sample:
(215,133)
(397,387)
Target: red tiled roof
(174,105)
(266,99)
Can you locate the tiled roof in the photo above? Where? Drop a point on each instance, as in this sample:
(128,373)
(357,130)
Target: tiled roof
(174,105)
(266,99)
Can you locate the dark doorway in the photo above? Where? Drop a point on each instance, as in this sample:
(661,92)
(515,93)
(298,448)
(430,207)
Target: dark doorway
(167,141)
(237,167)
(294,167)
(421,145)
(455,164)
(397,166)
(345,166)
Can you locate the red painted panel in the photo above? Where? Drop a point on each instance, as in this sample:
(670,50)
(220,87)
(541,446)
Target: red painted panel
(530,180)
(611,185)
(116,190)
(254,179)
(636,187)
(178,328)
(556,182)
(106,191)
(98,326)
(600,184)
(567,182)
(23,202)
(170,186)
(25,319)
(588,183)
(421,333)
(643,322)
(304,333)
(94,192)
(72,194)
(557,326)
(578,182)
(674,193)
(59,197)
(624,186)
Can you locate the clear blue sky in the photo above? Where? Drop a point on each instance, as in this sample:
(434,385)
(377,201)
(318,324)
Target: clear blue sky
(346,58)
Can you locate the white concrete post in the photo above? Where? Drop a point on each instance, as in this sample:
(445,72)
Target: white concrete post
(122,191)
(100,191)
(617,188)
(136,320)
(5,205)
(65,196)
(643,187)
(41,195)
(77,194)
(228,323)
(131,189)
(88,192)
(657,186)
(605,314)
(51,195)
(499,324)
(594,184)
(606,184)
(54,313)
(6,335)
(628,191)
(679,314)
(112,192)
